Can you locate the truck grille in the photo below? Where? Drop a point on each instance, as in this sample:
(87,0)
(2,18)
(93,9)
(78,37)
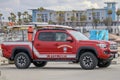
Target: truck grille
(113,47)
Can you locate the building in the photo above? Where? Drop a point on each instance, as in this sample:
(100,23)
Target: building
(75,17)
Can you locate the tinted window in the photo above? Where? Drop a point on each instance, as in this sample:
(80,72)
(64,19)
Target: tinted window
(46,36)
(60,36)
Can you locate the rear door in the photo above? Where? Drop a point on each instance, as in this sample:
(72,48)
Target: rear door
(43,44)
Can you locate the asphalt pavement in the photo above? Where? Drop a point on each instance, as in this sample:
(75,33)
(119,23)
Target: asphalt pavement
(60,71)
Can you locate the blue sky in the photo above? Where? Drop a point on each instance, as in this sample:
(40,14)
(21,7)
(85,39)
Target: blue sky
(7,6)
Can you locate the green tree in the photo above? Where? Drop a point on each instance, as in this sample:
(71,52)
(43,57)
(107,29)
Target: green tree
(96,21)
(25,17)
(60,17)
(9,18)
(73,18)
(13,17)
(41,9)
(83,18)
(50,21)
(39,19)
(109,21)
(93,17)
(19,18)
(30,18)
(1,18)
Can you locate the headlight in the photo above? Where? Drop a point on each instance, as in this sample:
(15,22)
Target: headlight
(102,45)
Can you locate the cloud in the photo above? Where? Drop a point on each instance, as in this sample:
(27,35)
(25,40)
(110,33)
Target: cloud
(9,9)
(73,4)
(89,4)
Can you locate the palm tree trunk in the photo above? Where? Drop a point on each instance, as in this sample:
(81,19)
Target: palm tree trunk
(118,25)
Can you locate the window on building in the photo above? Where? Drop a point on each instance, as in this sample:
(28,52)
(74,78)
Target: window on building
(102,18)
(77,14)
(89,14)
(67,14)
(98,14)
(68,18)
(89,18)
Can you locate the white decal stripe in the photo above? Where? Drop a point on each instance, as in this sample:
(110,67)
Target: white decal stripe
(25,43)
(71,56)
(35,51)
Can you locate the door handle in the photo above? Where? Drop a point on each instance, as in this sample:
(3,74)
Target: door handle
(37,44)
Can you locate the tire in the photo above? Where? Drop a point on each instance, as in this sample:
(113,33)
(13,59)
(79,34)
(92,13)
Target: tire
(104,64)
(40,63)
(22,60)
(88,61)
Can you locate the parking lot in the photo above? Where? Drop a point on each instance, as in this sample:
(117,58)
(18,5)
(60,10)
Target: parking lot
(60,71)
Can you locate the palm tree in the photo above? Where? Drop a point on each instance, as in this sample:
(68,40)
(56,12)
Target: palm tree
(30,18)
(60,17)
(118,14)
(93,17)
(40,15)
(50,21)
(82,19)
(41,9)
(1,18)
(96,21)
(9,18)
(19,17)
(39,18)
(13,17)
(73,18)
(25,17)
(110,21)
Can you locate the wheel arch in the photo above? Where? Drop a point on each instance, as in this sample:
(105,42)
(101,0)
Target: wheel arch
(81,50)
(21,49)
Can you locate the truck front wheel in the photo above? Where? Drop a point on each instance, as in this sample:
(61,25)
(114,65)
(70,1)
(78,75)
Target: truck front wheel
(88,61)
(103,64)
(40,63)
(22,60)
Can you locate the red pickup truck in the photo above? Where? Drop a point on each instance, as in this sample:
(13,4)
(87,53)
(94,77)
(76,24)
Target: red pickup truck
(60,45)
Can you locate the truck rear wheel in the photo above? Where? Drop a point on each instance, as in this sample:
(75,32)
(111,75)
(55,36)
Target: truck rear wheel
(88,61)
(22,60)
(40,63)
(103,64)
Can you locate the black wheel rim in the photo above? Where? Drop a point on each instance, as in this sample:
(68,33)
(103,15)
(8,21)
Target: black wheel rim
(21,61)
(87,61)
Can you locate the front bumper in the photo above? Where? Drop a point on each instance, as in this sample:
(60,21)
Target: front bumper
(116,55)
(112,56)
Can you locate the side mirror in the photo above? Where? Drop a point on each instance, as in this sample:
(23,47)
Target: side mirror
(69,39)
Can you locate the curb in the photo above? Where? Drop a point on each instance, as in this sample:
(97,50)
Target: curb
(3,61)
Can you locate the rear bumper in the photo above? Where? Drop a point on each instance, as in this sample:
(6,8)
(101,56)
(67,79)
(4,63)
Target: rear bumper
(1,53)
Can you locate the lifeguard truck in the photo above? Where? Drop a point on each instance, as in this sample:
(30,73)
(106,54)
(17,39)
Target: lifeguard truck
(60,43)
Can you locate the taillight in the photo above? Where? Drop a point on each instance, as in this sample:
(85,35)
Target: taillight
(1,46)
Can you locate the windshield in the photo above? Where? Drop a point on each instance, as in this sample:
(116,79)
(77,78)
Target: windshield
(78,36)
